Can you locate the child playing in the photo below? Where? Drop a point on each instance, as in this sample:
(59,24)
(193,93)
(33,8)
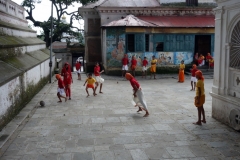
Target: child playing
(153,67)
(133,65)
(200,98)
(193,77)
(61,88)
(144,67)
(90,84)
(137,92)
(99,79)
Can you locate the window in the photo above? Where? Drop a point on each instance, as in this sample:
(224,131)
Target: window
(159,46)
(131,42)
(147,42)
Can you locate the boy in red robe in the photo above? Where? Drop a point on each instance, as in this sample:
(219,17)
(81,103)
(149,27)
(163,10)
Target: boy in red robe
(67,78)
(133,65)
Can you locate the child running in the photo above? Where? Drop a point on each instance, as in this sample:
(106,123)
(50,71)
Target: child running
(90,84)
(144,67)
(99,79)
(200,98)
(61,88)
(137,92)
(193,77)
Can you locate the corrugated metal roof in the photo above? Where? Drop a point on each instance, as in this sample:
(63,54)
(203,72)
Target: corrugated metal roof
(180,21)
(123,3)
(130,20)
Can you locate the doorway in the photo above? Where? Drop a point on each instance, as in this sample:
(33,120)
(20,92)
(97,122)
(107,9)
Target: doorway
(78,56)
(202,44)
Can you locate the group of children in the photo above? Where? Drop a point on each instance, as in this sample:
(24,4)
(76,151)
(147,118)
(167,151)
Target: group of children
(197,83)
(133,65)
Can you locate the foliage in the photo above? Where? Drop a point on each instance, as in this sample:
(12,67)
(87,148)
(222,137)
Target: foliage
(61,7)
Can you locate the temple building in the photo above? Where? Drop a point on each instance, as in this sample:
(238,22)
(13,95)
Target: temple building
(169,31)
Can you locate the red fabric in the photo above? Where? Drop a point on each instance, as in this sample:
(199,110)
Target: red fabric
(211,64)
(78,66)
(124,61)
(193,71)
(96,71)
(67,74)
(134,82)
(60,83)
(208,57)
(134,62)
(145,62)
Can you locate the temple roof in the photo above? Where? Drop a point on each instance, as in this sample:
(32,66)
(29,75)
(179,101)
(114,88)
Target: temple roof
(129,21)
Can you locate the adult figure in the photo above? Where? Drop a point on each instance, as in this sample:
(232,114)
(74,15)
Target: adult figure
(67,78)
(99,79)
(153,67)
(78,68)
(125,62)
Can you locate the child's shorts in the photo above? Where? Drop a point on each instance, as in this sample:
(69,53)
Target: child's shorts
(90,86)
(144,68)
(125,67)
(99,79)
(61,91)
(193,79)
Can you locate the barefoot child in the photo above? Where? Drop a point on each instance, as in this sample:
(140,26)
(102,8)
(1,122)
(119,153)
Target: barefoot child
(181,72)
(78,68)
(137,92)
(90,84)
(193,77)
(200,98)
(153,67)
(99,79)
(61,88)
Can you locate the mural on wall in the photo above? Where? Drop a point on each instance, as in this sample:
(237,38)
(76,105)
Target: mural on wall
(186,56)
(165,58)
(115,41)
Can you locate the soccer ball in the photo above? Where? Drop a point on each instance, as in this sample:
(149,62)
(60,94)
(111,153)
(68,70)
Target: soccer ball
(42,103)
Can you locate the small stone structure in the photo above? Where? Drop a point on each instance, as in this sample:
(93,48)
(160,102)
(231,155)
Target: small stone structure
(24,61)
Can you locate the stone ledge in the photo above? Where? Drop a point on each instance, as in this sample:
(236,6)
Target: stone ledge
(17,27)
(226,98)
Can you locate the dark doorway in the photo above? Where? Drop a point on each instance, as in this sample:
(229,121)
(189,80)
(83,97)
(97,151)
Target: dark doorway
(202,44)
(78,56)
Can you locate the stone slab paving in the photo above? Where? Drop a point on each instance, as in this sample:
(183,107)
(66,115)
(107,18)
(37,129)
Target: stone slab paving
(107,127)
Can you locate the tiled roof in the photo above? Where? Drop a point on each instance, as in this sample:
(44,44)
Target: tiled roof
(130,20)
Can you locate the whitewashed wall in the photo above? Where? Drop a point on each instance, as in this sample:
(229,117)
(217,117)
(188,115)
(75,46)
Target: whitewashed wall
(10,92)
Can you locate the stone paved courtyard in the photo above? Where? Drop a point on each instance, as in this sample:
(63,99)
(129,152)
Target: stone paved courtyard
(107,127)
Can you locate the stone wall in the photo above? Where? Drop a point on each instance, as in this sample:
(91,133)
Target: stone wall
(24,61)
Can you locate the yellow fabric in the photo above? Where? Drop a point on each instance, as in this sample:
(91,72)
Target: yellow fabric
(91,81)
(211,60)
(199,102)
(182,66)
(200,85)
(154,61)
(153,65)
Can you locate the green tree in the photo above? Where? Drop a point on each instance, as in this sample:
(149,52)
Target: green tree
(61,7)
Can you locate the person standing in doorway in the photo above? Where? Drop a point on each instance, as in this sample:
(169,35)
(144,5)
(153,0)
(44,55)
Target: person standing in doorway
(67,78)
(125,63)
(144,67)
(99,79)
(133,65)
(200,98)
(153,67)
(78,68)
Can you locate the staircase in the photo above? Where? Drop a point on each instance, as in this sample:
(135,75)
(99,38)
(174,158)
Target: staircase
(206,72)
